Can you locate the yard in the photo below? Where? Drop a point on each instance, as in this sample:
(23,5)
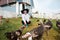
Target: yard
(15,23)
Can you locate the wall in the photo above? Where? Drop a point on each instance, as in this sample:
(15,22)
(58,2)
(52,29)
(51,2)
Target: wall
(8,11)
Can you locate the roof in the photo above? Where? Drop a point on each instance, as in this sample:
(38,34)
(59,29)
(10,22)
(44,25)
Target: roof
(3,2)
(10,2)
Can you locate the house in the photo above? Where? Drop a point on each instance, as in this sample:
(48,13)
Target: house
(12,8)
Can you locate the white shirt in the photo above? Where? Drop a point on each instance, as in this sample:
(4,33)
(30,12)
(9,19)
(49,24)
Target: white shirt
(25,17)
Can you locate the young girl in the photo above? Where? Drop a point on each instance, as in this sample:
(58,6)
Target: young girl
(25,17)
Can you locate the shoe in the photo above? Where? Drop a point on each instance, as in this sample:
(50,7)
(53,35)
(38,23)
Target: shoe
(26,25)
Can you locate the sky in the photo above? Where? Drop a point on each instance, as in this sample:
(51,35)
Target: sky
(47,6)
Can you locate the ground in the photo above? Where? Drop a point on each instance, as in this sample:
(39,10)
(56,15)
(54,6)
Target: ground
(15,23)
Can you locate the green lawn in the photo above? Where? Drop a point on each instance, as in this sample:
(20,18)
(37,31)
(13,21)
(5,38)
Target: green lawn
(15,23)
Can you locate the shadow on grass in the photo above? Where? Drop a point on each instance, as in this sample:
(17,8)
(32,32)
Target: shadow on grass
(57,37)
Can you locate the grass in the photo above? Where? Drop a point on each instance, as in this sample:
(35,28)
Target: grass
(15,23)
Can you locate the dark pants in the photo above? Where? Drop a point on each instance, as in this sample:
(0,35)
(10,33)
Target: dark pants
(26,22)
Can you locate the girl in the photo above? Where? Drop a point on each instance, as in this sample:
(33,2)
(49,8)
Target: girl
(25,17)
